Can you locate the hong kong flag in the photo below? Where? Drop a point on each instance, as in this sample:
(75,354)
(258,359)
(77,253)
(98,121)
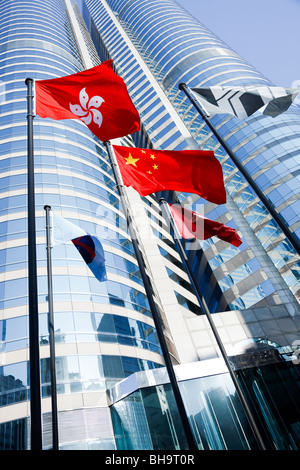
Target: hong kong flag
(97,96)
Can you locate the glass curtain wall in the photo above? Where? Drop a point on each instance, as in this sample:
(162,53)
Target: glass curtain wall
(104,331)
(217,418)
(215,414)
(177,48)
(159,128)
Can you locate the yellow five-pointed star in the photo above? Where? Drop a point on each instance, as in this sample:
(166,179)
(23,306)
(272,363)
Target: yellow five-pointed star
(152,156)
(130,160)
(155,167)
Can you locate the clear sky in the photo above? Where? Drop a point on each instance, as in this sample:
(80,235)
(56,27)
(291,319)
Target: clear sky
(266,33)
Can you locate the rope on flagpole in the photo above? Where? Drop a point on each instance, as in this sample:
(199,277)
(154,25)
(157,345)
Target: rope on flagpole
(154,308)
(290,236)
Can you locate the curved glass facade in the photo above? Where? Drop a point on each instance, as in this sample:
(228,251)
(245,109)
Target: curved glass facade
(176,48)
(103,331)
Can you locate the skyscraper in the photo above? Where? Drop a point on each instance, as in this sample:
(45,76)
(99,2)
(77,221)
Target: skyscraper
(105,331)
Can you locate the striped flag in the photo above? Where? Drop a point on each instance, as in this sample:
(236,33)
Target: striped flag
(244,101)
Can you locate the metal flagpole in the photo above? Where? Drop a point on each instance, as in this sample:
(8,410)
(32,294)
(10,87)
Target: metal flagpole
(34,343)
(168,216)
(256,189)
(154,309)
(55,442)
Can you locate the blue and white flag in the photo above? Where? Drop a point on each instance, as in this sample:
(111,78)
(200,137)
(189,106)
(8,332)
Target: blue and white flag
(244,101)
(88,246)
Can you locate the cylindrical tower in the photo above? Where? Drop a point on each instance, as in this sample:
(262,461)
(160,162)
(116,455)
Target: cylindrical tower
(174,47)
(103,331)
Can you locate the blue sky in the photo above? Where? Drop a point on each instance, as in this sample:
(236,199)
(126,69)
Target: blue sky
(266,33)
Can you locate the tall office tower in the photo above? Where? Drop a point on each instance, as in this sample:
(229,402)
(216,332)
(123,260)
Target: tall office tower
(104,331)
(112,389)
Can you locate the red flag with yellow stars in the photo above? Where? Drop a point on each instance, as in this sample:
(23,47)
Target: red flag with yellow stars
(190,171)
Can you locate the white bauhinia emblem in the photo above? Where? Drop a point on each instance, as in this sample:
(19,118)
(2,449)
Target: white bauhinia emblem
(86,110)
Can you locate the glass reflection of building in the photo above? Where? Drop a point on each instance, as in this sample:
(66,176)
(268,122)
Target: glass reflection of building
(105,336)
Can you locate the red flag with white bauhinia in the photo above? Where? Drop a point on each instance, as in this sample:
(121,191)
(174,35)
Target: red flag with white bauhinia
(97,96)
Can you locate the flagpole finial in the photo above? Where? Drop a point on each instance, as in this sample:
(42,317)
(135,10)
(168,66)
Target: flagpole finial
(181,85)
(47,207)
(28,80)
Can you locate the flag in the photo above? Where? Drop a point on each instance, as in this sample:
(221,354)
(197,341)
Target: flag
(190,224)
(88,246)
(97,96)
(63,231)
(92,252)
(191,171)
(244,101)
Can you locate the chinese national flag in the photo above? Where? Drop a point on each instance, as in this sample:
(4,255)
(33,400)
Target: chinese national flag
(190,171)
(190,224)
(97,96)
